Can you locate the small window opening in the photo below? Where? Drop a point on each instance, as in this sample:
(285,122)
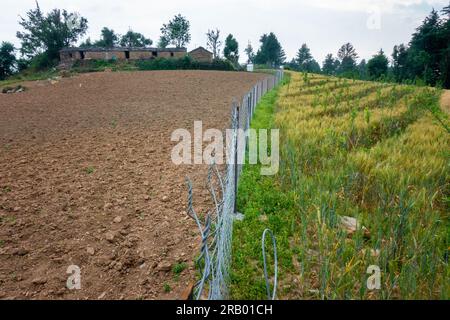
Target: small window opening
(155,53)
(82,55)
(127,55)
(71,55)
(171,54)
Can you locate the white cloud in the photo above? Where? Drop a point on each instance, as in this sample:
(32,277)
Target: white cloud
(388,6)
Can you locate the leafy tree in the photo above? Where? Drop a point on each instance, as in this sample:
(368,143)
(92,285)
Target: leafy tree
(176,32)
(49,33)
(231,50)
(163,42)
(270,52)
(134,39)
(86,43)
(108,39)
(7,60)
(362,70)
(377,67)
(213,42)
(249,52)
(329,65)
(347,57)
(399,62)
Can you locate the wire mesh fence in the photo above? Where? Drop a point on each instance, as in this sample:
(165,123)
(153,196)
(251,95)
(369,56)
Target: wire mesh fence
(216,227)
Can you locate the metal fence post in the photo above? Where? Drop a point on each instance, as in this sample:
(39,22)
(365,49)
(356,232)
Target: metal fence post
(236,160)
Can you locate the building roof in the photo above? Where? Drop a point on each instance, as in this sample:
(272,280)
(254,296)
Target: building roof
(201,48)
(115,49)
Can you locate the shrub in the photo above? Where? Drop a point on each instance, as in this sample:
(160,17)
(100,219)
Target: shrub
(185,63)
(42,62)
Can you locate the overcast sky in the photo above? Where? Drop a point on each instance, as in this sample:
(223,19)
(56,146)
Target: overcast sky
(323,24)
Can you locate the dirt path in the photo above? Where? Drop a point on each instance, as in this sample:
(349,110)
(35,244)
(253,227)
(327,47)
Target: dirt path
(86,179)
(445,101)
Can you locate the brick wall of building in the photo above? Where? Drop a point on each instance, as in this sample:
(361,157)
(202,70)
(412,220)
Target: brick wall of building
(69,56)
(201,55)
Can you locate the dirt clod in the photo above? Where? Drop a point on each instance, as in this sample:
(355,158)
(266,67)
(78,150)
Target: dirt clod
(109,236)
(164,266)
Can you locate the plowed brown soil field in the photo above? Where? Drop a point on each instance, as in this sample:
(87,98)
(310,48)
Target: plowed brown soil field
(86,179)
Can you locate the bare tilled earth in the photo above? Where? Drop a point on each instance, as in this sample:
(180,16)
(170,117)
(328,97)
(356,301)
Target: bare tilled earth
(86,179)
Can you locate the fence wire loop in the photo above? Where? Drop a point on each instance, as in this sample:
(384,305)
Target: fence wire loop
(216,228)
(270,296)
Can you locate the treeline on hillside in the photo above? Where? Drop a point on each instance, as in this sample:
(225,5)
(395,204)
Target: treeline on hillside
(426,59)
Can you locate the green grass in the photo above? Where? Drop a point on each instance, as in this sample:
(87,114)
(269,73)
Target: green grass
(179,268)
(29,76)
(259,196)
(167,288)
(89,170)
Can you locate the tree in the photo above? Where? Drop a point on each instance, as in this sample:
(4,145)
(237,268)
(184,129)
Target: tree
(445,63)
(49,33)
(231,50)
(313,67)
(249,52)
(7,60)
(163,42)
(134,39)
(304,55)
(329,65)
(399,62)
(377,67)
(270,52)
(362,70)
(281,58)
(347,57)
(86,43)
(176,32)
(305,60)
(108,39)
(425,49)
(427,57)
(292,65)
(213,42)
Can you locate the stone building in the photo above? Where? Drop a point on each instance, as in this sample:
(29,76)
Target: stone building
(70,55)
(201,55)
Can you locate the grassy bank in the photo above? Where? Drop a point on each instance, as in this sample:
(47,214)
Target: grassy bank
(356,149)
(29,76)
